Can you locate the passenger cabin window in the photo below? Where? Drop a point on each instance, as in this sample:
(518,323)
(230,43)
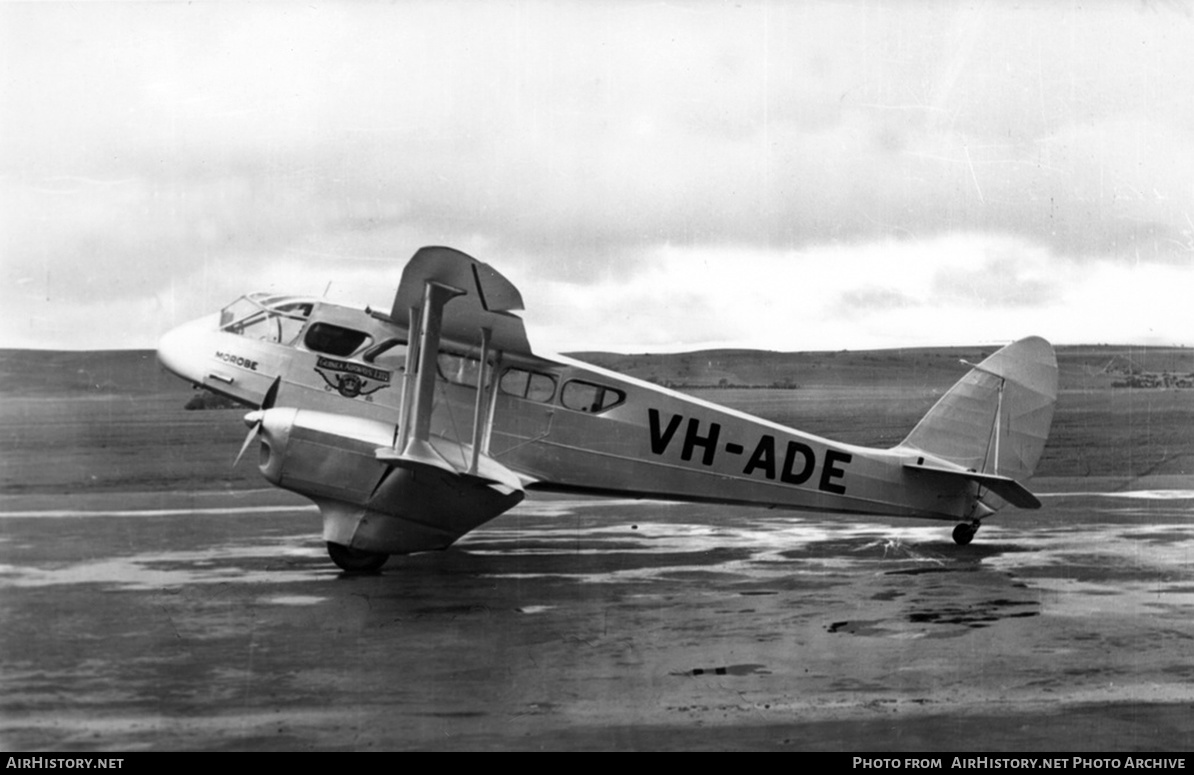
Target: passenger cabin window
(334,340)
(459,369)
(530,385)
(390,354)
(588,397)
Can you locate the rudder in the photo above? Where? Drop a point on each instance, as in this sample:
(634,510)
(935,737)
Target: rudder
(996,419)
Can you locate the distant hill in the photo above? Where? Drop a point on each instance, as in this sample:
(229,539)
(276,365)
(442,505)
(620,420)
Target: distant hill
(33,373)
(97,372)
(759,368)
(1081,366)
(116,420)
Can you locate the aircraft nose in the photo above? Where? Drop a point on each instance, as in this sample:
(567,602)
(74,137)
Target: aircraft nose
(182,350)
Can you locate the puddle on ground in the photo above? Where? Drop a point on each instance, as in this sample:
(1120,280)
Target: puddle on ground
(1084,565)
(293,600)
(156,570)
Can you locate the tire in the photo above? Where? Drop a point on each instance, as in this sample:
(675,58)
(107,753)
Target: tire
(356,560)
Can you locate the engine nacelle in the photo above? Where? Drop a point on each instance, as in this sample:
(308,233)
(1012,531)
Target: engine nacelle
(391,506)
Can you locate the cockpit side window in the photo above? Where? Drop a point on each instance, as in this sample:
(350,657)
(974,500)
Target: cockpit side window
(291,320)
(334,340)
(267,318)
(237,312)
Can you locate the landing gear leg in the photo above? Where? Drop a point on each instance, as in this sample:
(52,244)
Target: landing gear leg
(356,560)
(964,532)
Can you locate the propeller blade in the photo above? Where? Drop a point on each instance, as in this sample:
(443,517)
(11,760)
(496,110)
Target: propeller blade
(253,420)
(271,395)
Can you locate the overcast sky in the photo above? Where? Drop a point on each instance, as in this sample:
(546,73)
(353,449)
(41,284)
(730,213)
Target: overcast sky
(653,176)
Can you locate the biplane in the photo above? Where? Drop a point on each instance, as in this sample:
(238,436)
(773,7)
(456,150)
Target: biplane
(410,427)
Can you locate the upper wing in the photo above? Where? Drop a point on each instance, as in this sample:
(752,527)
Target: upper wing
(484,300)
(448,295)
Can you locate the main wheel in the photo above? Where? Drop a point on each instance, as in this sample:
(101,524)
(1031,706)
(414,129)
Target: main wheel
(356,560)
(964,533)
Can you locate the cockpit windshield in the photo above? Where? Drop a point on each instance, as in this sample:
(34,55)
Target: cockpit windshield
(267,316)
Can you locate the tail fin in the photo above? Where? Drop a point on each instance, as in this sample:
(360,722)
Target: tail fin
(996,419)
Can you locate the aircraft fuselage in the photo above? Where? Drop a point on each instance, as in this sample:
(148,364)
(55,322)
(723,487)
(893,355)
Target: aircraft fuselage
(645,441)
(411,428)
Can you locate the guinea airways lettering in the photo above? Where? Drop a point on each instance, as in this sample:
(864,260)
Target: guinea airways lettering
(799,459)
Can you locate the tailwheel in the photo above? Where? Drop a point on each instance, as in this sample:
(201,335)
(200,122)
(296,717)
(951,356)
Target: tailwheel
(964,533)
(356,560)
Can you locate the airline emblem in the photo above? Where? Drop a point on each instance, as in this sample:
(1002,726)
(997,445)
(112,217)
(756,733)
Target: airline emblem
(352,379)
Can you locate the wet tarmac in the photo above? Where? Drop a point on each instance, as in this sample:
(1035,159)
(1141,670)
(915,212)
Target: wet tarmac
(216,621)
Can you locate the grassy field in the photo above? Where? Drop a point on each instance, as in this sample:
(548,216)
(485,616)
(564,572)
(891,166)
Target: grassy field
(114,421)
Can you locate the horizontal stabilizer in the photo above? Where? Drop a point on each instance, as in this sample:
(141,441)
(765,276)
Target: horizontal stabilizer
(1009,489)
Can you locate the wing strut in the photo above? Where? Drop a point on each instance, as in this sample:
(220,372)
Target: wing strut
(415,437)
(434,277)
(402,432)
(481,409)
(413,447)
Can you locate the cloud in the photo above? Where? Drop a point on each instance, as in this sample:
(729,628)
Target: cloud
(1008,275)
(148,148)
(969,288)
(870,299)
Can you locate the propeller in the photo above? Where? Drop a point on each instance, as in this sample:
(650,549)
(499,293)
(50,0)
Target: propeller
(254,419)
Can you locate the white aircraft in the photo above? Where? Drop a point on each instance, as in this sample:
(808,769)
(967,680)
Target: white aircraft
(410,428)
